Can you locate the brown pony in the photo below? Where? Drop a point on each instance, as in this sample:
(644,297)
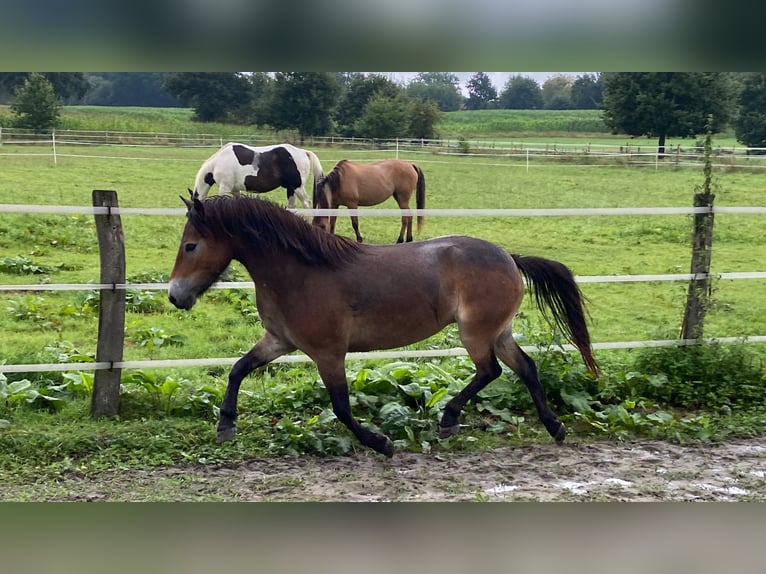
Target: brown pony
(372,297)
(354,184)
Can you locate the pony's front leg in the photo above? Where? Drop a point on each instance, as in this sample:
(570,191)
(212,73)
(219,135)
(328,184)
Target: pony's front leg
(263,352)
(333,375)
(355,225)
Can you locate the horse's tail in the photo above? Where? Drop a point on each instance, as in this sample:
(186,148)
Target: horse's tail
(316,170)
(554,286)
(420,196)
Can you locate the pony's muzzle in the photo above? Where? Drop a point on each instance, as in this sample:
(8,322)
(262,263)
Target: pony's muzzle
(181,297)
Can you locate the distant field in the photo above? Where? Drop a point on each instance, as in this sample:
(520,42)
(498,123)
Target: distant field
(134,119)
(545,126)
(488,123)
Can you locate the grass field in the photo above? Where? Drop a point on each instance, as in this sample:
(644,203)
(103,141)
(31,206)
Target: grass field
(597,245)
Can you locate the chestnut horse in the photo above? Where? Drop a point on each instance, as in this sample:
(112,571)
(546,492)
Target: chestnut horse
(372,297)
(354,184)
(237,167)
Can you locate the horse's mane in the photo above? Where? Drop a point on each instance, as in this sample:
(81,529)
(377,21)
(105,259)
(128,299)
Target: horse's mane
(269,227)
(333,178)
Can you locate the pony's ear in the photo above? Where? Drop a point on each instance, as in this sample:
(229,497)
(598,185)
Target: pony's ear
(195,204)
(198,207)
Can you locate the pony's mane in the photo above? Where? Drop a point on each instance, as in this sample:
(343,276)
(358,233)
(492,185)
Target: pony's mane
(333,178)
(269,227)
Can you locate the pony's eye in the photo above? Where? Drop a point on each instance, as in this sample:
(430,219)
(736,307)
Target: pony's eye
(190,247)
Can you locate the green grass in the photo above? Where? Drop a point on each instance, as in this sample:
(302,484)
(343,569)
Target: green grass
(573,127)
(496,122)
(135,119)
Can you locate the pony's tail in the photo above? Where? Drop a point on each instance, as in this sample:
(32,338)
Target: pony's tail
(420,196)
(316,170)
(554,286)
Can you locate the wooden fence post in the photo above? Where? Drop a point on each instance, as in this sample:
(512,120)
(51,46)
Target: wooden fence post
(111,309)
(699,289)
(698,295)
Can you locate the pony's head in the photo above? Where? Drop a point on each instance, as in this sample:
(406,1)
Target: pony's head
(200,260)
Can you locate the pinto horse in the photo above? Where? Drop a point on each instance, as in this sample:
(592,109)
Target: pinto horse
(354,184)
(237,167)
(372,297)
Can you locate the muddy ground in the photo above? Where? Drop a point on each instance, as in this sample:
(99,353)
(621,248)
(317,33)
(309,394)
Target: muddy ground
(600,471)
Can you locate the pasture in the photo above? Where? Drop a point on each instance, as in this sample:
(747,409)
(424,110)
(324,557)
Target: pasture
(593,245)
(56,326)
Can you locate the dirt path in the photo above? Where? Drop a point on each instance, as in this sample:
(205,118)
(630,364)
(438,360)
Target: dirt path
(634,471)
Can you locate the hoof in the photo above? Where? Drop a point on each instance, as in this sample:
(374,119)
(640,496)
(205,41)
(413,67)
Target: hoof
(388,448)
(383,445)
(225,434)
(561,433)
(446,432)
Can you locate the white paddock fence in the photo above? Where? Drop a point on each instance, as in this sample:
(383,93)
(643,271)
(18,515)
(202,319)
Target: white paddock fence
(100,365)
(634,152)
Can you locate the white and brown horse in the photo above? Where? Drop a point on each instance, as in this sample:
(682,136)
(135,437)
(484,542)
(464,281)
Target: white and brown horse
(237,167)
(362,184)
(371,297)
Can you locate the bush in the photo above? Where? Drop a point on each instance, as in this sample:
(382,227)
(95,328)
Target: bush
(705,376)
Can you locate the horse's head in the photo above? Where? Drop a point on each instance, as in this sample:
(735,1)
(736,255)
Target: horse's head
(321,200)
(201,257)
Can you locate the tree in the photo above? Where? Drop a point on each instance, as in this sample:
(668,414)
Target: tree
(129,89)
(521,93)
(440,87)
(361,88)
(586,92)
(261,90)
(68,86)
(36,106)
(385,117)
(215,96)
(304,101)
(481,92)
(424,117)
(557,92)
(750,125)
(666,104)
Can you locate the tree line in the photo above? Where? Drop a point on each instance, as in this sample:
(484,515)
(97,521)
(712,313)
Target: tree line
(374,105)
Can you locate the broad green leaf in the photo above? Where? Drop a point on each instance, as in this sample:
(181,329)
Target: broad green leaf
(436,397)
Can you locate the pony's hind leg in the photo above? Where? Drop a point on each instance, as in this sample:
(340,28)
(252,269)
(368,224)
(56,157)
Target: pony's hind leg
(333,375)
(512,355)
(406,227)
(301,193)
(487,370)
(263,352)
(404,203)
